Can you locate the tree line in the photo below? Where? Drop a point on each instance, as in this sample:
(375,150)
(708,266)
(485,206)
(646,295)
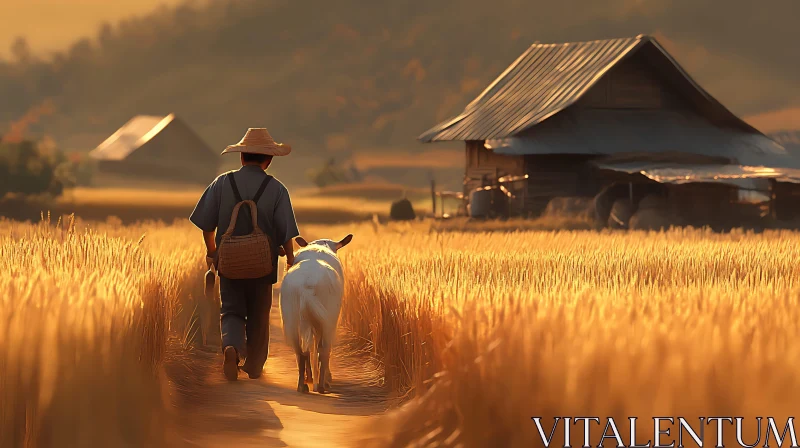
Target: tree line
(332,76)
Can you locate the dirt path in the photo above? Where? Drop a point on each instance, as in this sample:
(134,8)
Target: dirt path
(269,412)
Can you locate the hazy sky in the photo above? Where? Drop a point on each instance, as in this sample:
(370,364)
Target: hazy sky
(54,24)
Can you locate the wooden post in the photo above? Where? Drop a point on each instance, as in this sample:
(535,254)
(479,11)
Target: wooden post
(433,196)
(630,187)
(524,207)
(772,196)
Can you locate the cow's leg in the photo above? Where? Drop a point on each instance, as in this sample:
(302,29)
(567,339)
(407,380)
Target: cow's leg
(328,378)
(324,366)
(302,360)
(309,372)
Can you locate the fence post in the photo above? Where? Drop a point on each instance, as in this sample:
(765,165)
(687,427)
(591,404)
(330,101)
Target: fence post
(433,196)
(630,193)
(772,197)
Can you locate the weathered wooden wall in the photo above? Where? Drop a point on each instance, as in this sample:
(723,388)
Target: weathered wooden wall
(786,201)
(633,84)
(175,153)
(169,172)
(703,204)
(483,162)
(557,175)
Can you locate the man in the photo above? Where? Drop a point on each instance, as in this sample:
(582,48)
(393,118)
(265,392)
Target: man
(246,303)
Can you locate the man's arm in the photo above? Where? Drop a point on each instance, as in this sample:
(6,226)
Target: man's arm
(205,216)
(211,245)
(211,248)
(285,224)
(288,249)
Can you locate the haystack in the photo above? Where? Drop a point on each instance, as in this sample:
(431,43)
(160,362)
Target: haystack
(402,210)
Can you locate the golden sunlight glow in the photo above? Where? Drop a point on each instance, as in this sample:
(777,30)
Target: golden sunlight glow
(49,25)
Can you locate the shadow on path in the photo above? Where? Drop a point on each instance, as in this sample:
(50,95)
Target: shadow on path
(269,412)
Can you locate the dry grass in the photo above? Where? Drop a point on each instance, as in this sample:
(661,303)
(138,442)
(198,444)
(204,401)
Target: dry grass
(371,191)
(571,323)
(183,197)
(344,196)
(85,318)
(477,331)
(545,223)
(338,204)
(429,159)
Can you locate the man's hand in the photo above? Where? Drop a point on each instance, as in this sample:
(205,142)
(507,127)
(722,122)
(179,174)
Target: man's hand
(211,247)
(210,259)
(288,249)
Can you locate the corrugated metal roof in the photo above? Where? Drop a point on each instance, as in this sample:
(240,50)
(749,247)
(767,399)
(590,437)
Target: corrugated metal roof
(789,140)
(739,175)
(786,137)
(542,82)
(657,131)
(133,134)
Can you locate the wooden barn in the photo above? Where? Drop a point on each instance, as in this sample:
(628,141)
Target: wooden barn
(787,194)
(165,149)
(568,119)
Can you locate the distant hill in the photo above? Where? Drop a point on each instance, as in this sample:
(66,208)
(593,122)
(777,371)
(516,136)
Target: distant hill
(333,77)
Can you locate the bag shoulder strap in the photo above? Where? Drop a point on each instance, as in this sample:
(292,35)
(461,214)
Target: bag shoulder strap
(235,188)
(251,203)
(261,189)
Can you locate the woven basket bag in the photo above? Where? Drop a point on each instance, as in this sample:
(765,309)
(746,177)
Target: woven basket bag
(246,256)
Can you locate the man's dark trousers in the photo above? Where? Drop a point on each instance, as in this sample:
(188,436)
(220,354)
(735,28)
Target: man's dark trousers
(244,319)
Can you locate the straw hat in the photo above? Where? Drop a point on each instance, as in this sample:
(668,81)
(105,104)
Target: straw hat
(258,141)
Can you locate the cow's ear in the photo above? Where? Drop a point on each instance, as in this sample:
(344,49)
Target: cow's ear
(301,241)
(344,241)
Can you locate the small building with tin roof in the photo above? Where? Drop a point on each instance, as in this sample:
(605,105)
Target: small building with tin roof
(163,149)
(569,119)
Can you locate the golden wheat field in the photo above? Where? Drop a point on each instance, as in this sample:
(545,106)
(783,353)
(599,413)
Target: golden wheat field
(476,331)
(574,323)
(85,318)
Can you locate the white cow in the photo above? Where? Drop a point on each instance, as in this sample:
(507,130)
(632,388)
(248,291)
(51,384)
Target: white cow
(311,299)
